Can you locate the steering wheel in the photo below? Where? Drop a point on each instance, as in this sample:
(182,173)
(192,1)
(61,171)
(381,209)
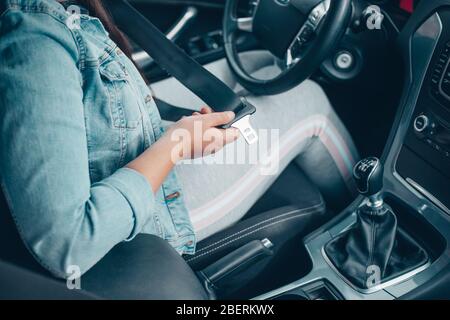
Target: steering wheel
(300,33)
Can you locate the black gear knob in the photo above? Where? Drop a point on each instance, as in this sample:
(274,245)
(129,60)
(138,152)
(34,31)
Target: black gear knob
(368,175)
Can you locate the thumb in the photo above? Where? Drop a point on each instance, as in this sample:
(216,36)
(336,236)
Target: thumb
(218,118)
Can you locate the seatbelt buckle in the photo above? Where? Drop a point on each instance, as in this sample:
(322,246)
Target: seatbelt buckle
(242,121)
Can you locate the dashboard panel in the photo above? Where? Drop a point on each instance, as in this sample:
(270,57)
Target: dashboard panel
(412,174)
(424,160)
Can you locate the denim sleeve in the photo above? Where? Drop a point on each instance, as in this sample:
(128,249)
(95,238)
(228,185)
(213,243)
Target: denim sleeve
(44,170)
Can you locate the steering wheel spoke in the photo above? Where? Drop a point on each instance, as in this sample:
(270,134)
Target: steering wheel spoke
(307,33)
(245,24)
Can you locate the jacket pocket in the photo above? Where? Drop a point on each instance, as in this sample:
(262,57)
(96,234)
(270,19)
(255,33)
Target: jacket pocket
(123,100)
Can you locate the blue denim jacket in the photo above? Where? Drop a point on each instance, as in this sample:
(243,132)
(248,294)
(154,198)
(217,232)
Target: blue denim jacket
(73,111)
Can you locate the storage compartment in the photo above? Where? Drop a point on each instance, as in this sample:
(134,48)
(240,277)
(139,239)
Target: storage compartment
(431,178)
(317,290)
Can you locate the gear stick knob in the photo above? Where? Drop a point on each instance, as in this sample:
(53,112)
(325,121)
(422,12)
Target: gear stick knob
(368,175)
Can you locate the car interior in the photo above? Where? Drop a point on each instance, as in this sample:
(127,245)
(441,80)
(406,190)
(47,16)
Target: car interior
(385,67)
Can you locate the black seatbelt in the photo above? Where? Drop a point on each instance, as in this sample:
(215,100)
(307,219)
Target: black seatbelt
(170,112)
(181,66)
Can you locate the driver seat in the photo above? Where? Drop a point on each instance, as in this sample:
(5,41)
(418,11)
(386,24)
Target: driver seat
(132,270)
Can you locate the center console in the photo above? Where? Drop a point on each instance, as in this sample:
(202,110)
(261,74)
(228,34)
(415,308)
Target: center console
(415,192)
(424,160)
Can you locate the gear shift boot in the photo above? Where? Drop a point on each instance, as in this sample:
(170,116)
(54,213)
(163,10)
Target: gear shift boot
(373,250)
(366,259)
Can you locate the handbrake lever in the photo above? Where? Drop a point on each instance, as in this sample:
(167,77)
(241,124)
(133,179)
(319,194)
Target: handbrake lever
(236,269)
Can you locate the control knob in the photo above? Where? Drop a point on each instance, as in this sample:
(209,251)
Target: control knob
(421,123)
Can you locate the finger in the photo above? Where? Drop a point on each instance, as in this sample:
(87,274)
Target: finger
(224,137)
(206,110)
(218,118)
(196,113)
(213,139)
(221,136)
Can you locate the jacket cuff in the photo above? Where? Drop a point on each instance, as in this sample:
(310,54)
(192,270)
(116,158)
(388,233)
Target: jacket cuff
(136,189)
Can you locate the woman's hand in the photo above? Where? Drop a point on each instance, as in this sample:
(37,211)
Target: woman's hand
(193,136)
(197,136)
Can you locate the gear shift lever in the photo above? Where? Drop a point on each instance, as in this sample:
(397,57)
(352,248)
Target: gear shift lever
(365,249)
(373,250)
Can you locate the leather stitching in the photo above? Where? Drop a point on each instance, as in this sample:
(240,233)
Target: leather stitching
(245,235)
(241,237)
(316,207)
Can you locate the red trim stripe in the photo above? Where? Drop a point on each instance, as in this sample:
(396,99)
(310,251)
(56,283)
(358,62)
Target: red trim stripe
(407,5)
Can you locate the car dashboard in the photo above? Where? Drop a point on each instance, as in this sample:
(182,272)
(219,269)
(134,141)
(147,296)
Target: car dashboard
(416,175)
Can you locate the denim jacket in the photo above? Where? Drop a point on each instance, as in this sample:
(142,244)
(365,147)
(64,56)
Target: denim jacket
(73,112)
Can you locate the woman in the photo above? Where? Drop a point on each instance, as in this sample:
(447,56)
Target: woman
(86,163)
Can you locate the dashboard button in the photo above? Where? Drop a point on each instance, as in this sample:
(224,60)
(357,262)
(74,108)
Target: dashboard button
(421,123)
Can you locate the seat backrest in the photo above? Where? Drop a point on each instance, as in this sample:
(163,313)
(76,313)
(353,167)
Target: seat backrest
(18,283)
(21,276)
(12,248)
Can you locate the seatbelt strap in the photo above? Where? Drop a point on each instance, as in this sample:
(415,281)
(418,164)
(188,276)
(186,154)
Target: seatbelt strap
(181,66)
(169,112)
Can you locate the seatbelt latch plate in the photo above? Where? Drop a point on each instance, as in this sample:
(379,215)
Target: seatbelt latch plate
(242,121)
(246,129)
